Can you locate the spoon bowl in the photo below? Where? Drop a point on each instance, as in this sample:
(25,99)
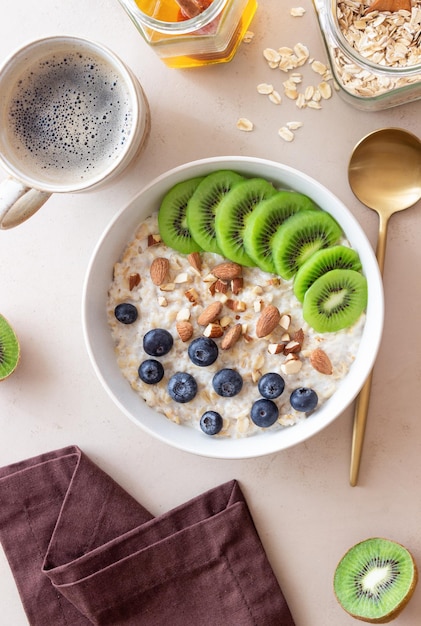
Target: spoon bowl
(384,173)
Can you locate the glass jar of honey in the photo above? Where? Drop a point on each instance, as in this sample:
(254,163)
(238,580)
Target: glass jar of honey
(375,57)
(211,36)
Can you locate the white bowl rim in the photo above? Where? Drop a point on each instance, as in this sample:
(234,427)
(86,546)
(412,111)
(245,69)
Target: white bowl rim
(186,438)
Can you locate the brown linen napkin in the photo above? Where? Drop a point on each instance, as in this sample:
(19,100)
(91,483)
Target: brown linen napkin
(83,551)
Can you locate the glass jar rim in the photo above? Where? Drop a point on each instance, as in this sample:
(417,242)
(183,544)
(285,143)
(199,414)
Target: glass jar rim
(184,27)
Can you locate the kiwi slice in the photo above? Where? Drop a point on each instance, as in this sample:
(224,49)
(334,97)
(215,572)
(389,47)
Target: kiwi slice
(322,261)
(203,205)
(264,222)
(299,237)
(9,349)
(172,220)
(375,580)
(335,300)
(232,216)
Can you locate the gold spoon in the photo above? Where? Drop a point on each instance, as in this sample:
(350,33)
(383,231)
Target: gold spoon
(384,173)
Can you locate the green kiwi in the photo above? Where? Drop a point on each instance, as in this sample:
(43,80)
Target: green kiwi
(9,349)
(299,237)
(264,222)
(233,213)
(335,300)
(203,205)
(375,579)
(172,221)
(322,261)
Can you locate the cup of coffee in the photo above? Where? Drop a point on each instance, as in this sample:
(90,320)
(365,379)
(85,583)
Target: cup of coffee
(72,117)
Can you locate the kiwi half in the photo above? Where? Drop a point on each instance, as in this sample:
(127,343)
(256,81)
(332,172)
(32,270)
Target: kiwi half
(9,349)
(335,300)
(264,222)
(375,579)
(172,220)
(203,205)
(322,261)
(232,216)
(299,237)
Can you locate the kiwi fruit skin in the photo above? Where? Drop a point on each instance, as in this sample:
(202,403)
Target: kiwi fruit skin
(232,216)
(203,205)
(264,222)
(324,302)
(322,261)
(349,568)
(172,220)
(9,349)
(299,237)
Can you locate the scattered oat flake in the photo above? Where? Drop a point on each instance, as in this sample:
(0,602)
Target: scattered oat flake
(286,133)
(275,97)
(271,55)
(318,67)
(248,36)
(314,104)
(264,88)
(294,125)
(325,90)
(297,11)
(245,125)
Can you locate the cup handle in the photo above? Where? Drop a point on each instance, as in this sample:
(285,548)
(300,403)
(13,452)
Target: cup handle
(18,202)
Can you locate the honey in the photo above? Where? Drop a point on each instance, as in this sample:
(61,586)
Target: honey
(213,36)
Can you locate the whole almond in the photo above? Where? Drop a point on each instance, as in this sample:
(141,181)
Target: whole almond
(268,320)
(210,314)
(159,270)
(228,270)
(231,337)
(184,330)
(320,361)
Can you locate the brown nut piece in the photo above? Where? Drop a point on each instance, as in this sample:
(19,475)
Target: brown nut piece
(231,337)
(159,270)
(210,314)
(184,330)
(268,320)
(320,361)
(227,270)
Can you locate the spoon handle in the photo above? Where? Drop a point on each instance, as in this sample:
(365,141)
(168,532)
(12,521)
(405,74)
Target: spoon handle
(363,400)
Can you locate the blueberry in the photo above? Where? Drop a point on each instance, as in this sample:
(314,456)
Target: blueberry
(264,412)
(271,385)
(303,399)
(126,313)
(203,351)
(151,371)
(157,342)
(211,422)
(182,387)
(227,382)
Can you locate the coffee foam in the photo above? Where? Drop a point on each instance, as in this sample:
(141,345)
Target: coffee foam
(70,118)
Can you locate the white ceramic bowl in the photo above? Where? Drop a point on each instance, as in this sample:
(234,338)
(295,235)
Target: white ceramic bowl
(100,344)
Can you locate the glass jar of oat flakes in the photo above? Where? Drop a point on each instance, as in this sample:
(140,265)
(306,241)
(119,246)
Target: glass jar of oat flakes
(375,56)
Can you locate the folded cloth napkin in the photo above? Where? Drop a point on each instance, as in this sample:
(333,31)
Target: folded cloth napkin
(83,551)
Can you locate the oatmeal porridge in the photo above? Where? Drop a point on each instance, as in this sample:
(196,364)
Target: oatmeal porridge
(184,295)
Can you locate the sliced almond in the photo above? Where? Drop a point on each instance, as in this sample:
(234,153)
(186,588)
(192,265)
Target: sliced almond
(153,240)
(159,270)
(276,348)
(268,320)
(231,337)
(285,321)
(220,286)
(228,270)
(184,330)
(299,336)
(213,330)
(195,261)
(134,280)
(320,361)
(291,366)
(236,305)
(292,347)
(237,285)
(192,295)
(210,314)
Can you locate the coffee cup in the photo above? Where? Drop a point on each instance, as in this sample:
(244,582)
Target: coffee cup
(72,117)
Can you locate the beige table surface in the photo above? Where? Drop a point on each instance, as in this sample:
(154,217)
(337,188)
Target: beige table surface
(305,511)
